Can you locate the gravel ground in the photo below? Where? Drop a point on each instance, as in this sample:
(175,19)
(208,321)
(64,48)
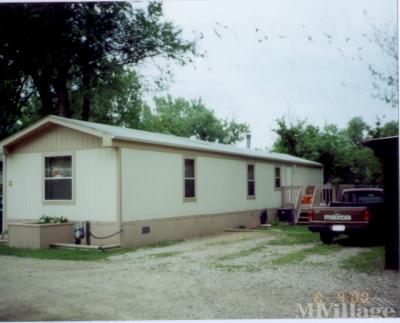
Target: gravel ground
(224,276)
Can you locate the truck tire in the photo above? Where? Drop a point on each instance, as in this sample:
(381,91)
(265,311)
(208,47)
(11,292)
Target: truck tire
(326,237)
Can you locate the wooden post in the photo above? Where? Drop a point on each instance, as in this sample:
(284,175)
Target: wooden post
(87,230)
(387,149)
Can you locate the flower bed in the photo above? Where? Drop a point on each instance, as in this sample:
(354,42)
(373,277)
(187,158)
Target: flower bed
(35,235)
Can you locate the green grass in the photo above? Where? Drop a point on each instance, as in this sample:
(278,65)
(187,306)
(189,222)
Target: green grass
(369,261)
(60,254)
(291,235)
(288,235)
(298,256)
(243,253)
(164,254)
(285,229)
(72,254)
(286,259)
(227,242)
(291,229)
(283,236)
(290,240)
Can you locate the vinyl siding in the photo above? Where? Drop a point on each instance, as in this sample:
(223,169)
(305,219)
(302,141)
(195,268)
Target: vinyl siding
(303,176)
(95,187)
(56,138)
(152,185)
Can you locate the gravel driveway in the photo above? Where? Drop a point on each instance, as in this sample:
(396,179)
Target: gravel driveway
(224,276)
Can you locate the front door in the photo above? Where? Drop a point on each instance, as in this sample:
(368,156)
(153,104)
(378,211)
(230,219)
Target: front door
(288,176)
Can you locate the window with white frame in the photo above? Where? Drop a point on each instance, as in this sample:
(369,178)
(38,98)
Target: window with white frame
(190,178)
(278,177)
(58,178)
(251,182)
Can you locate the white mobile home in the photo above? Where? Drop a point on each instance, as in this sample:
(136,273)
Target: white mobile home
(147,186)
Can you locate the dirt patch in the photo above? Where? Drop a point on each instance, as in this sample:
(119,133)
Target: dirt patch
(224,276)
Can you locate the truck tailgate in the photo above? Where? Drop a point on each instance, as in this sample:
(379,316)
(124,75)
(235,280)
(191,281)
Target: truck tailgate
(339,214)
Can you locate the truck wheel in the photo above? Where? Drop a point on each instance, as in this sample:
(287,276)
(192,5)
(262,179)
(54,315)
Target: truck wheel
(326,237)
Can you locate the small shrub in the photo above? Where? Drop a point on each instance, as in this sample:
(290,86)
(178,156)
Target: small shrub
(275,222)
(44,219)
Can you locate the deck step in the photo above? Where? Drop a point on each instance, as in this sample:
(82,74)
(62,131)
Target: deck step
(83,246)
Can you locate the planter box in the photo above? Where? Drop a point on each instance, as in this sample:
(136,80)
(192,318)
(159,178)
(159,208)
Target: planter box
(39,236)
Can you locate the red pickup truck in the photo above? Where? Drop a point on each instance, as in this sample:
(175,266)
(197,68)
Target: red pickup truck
(360,211)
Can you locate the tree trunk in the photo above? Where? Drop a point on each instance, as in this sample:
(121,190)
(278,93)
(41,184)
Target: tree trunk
(63,104)
(46,97)
(86,84)
(85,61)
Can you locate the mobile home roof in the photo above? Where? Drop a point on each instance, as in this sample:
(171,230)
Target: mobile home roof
(140,136)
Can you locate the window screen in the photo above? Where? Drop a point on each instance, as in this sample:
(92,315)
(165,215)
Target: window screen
(189,178)
(58,178)
(251,189)
(277,177)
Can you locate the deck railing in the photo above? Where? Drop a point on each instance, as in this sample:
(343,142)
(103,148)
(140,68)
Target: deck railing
(324,195)
(290,195)
(292,198)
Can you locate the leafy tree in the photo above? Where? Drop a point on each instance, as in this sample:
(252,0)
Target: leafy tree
(130,36)
(191,119)
(116,100)
(389,129)
(63,48)
(37,38)
(15,91)
(341,152)
(289,137)
(356,130)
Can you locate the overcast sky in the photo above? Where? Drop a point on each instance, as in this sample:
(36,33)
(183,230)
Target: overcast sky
(271,58)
